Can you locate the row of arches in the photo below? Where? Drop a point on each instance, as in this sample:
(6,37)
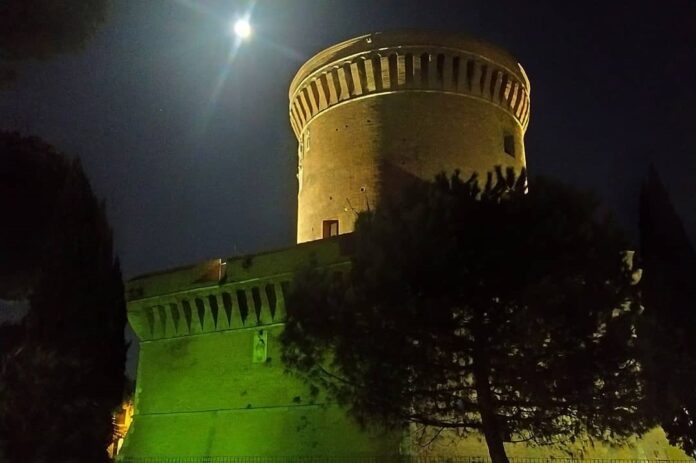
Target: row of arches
(409,69)
(228,307)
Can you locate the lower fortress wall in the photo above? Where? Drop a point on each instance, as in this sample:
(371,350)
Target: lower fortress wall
(205,387)
(203,396)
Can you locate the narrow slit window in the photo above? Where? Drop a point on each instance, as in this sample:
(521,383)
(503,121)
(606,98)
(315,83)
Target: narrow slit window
(272,299)
(212,301)
(409,69)
(187,312)
(200,309)
(424,63)
(329,228)
(393,70)
(243,305)
(174,311)
(227,304)
(509,145)
(482,80)
(455,71)
(470,74)
(377,72)
(256,297)
(440,70)
(149,313)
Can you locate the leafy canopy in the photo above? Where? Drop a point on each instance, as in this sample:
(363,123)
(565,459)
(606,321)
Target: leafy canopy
(485,309)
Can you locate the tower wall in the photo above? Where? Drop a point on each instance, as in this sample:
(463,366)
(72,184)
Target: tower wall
(376,111)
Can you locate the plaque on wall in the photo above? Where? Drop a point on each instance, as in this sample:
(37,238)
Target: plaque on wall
(260,347)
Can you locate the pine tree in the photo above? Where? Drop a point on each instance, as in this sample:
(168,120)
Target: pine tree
(494,311)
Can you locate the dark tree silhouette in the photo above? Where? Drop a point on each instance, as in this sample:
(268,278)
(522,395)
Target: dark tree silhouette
(31,175)
(62,368)
(494,311)
(669,294)
(41,29)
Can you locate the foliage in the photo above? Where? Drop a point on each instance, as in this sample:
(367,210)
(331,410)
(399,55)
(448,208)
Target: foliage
(31,173)
(61,371)
(489,310)
(669,294)
(41,29)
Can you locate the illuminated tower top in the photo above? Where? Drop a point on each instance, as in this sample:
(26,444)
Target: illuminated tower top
(375,111)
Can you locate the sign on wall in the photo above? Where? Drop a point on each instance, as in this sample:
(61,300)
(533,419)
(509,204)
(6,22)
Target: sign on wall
(260,347)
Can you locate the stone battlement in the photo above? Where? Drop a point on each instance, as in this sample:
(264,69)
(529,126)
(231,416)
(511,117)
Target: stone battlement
(396,62)
(223,294)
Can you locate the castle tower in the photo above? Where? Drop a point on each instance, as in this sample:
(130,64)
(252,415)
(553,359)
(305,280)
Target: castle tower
(372,112)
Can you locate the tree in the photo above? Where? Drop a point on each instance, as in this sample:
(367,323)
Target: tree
(41,29)
(31,174)
(489,310)
(62,370)
(669,294)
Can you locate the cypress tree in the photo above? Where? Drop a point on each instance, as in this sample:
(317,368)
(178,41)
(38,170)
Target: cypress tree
(63,373)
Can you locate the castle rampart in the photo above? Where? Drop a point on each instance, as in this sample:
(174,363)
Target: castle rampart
(210,380)
(220,295)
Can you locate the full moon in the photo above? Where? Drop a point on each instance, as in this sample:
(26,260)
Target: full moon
(241,28)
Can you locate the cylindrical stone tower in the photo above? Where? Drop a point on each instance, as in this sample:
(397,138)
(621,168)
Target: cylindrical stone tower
(375,111)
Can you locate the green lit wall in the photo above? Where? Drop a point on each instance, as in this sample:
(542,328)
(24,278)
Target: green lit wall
(202,395)
(203,388)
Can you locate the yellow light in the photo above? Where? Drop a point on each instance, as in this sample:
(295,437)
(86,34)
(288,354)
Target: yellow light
(242,28)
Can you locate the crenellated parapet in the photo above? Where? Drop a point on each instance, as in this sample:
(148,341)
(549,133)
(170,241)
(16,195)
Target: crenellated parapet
(215,308)
(377,63)
(211,384)
(220,295)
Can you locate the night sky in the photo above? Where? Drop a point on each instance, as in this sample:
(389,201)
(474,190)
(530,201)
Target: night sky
(190,173)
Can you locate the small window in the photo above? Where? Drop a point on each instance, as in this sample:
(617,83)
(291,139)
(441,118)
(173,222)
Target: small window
(329,228)
(509,145)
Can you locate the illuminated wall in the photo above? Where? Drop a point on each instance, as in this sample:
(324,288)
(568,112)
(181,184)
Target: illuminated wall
(210,381)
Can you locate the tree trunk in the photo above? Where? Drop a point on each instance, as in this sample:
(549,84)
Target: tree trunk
(489,421)
(486,405)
